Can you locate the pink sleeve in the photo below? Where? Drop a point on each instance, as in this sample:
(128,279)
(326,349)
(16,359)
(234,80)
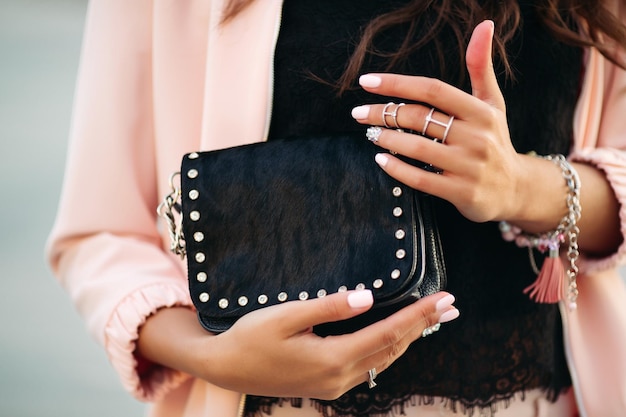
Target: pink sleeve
(613,163)
(605,143)
(105,248)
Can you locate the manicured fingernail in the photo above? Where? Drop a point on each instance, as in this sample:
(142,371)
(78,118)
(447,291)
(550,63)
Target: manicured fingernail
(449,315)
(445,302)
(361,112)
(381,159)
(369,80)
(360,299)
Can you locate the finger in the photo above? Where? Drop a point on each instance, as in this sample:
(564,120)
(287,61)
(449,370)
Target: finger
(480,66)
(383,359)
(436,93)
(450,159)
(413,117)
(388,334)
(301,315)
(444,186)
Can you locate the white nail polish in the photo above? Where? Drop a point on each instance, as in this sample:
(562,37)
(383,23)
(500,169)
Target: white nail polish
(360,299)
(445,302)
(381,159)
(449,315)
(369,80)
(361,112)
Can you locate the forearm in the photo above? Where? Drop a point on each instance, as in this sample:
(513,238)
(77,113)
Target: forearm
(542,204)
(171,337)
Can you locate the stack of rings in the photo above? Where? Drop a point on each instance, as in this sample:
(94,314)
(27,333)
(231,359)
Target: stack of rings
(373,132)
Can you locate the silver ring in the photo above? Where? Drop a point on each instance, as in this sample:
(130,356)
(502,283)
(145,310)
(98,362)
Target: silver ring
(429,119)
(394,115)
(430,330)
(371,376)
(373,133)
(445,132)
(386,113)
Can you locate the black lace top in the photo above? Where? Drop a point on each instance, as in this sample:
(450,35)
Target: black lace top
(503,343)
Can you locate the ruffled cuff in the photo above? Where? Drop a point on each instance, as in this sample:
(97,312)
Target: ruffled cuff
(613,163)
(147,381)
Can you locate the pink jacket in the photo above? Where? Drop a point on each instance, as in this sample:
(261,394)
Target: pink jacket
(159,79)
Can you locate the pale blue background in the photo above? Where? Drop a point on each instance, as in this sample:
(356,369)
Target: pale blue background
(49,366)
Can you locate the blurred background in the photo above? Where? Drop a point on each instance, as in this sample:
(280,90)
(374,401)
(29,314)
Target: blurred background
(49,365)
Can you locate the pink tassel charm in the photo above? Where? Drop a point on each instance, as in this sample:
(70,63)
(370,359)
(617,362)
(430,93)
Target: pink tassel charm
(548,288)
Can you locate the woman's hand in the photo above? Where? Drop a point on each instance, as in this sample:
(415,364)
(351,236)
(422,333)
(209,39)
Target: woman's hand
(481,169)
(273,352)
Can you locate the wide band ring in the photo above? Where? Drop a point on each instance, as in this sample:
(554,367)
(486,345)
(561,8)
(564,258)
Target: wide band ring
(371,376)
(429,119)
(393,114)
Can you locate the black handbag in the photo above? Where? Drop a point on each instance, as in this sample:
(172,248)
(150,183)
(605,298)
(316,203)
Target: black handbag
(284,220)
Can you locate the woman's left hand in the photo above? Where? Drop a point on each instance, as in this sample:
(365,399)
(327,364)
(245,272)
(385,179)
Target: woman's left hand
(481,171)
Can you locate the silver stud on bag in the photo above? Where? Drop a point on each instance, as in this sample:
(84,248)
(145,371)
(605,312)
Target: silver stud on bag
(242,301)
(282,297)
(303,295)
(192,173)
(400,254)
(322,293)
(194,216)
(263,299)
(400,234)
(194,155)
(397,212)
(343,288)
(198,236)
(395,274)
(201,276)
(223,304)
(194,194)
(378,283)
(200,257)
(397,191)
(360,287)
(204,297)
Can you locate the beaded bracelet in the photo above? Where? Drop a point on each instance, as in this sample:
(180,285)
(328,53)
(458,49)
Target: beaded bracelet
(548,288)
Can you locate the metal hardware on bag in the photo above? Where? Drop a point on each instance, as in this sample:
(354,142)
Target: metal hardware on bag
(166,209)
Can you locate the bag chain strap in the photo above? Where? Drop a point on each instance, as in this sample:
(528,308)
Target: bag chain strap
(169,205)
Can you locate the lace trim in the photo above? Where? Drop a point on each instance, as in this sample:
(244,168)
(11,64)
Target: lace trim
(263,406)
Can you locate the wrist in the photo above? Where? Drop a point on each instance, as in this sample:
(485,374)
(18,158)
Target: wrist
(173,338)
(539,197)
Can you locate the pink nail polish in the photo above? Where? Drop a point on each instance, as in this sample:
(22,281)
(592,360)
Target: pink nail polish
(360,299)
(369,80)
(445,302)
(361,112)
(381,159)
(449,315)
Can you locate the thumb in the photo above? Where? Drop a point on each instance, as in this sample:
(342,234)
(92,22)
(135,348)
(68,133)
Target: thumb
(334,307)
(480,66)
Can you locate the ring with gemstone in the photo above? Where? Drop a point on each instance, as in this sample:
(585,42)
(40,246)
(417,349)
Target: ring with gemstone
(373,133)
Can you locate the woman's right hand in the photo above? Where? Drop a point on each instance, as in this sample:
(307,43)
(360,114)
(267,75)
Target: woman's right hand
(273,351)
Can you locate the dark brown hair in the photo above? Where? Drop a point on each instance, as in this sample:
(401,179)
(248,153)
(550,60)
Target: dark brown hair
(600,28)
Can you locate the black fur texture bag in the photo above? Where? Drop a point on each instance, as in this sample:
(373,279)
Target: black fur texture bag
(284,220)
